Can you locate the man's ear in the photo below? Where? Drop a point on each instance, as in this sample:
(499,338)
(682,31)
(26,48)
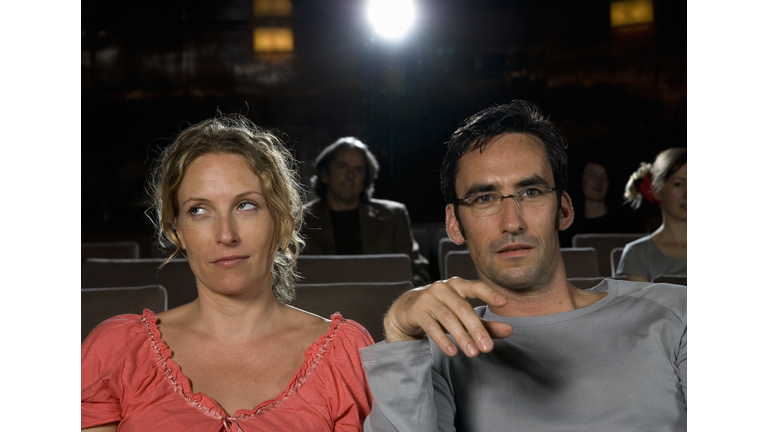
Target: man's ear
(566,212)
(323,176)
(452,225)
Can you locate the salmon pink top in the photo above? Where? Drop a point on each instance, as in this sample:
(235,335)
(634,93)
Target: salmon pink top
(128,376)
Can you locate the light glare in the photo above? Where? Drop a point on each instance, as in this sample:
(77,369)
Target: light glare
(391,18)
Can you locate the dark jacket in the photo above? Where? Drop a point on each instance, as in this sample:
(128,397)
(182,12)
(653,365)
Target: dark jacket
(384,228)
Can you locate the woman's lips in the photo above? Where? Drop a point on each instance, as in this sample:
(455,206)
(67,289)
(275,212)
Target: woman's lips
(230,261)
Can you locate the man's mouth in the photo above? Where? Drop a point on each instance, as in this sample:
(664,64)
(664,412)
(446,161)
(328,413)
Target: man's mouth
(516,249)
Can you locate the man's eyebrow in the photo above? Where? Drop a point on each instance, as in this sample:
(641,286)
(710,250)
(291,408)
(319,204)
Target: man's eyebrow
(535,180)
(481,187)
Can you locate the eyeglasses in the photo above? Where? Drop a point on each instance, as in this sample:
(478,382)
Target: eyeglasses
(489,203)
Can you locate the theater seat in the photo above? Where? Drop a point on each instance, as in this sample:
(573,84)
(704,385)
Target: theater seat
(580,262)
(176,276)
(671,279)
(604,244)
(365,303)
(123,249)
(315,269)
(99,304)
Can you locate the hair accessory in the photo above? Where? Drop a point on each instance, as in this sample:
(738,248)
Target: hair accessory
(645,189)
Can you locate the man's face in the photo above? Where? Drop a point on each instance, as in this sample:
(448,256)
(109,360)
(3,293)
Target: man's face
(345,176)
(516,248)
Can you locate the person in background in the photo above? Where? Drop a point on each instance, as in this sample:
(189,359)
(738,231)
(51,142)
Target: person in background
(238,358)
(665,252)
(595,214)
(347,220)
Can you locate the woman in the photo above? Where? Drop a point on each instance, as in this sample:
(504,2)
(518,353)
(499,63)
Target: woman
(665,251)
(595,214)
(238,358)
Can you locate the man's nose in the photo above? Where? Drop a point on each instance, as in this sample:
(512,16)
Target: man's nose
(511,218)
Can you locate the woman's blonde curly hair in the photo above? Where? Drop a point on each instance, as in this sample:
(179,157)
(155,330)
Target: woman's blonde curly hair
(272,163)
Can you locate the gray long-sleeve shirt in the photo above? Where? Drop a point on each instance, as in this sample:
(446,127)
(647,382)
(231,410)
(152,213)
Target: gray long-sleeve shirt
(616,365)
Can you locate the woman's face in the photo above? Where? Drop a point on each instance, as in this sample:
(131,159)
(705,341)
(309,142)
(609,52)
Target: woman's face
(226,226)
(674,195)
(594,182)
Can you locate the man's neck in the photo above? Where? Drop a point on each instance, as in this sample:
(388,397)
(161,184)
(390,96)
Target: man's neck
(336,204)
(553,297)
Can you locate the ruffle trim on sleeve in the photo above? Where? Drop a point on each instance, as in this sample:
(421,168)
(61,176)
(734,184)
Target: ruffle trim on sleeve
(312,357)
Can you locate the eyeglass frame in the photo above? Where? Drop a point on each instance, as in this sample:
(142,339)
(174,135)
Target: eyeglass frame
(501,198)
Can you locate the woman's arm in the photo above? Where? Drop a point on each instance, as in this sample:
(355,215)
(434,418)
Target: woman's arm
(635,278)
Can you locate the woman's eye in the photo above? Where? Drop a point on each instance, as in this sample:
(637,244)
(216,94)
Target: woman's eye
(196,210)
(247,206)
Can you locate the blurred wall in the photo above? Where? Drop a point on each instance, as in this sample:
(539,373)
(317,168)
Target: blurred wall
(150,68)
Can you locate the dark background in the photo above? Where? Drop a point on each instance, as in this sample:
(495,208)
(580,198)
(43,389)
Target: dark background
(151,68)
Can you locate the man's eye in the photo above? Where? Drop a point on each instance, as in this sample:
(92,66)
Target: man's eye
(531,193)
(484,199)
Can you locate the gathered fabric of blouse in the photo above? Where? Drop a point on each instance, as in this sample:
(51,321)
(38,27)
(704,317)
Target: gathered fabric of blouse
(128,376)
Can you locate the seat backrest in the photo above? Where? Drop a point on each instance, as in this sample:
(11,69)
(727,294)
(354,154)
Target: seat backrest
(604,244)
(122,249)
(422,238)
(580,262)
(672,279)
(99,304)
(365,303)
(444,246)
(157,251)
(459,263)
(315,269)
(615,258)
(176,276)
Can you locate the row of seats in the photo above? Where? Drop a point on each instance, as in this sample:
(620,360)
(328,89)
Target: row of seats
(365,303)
(605,246)
(362,287)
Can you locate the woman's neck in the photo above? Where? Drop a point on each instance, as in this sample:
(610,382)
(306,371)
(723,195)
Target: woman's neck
(672,231)
(594,209)
(234,318)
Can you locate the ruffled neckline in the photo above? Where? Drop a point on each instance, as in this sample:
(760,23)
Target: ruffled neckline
(181,385)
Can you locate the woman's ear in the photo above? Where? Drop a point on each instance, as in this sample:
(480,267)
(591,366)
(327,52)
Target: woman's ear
(656,194)
(179,235)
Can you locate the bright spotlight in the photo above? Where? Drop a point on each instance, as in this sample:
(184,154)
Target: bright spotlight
(391,18)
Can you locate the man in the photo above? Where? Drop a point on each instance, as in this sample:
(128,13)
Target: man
(346,220)
(612,358)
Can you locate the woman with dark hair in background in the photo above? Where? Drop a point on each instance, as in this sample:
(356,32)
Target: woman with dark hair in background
(238,358)
(594,212)
(664,252)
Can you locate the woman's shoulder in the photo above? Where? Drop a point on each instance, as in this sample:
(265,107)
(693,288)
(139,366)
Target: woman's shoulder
(119,332)
(641,243)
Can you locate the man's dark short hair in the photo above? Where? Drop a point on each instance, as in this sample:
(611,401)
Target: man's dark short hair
(328,154)
(478,130)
